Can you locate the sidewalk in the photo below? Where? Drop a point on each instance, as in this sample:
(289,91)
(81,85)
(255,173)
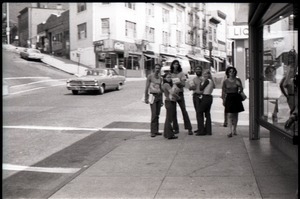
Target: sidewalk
(189,167)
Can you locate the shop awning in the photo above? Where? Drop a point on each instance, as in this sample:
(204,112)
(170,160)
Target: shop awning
(202,59)
(150,56)
(168,56)
(218,59)
(182,57)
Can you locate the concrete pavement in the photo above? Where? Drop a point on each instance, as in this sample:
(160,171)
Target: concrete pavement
(189,167)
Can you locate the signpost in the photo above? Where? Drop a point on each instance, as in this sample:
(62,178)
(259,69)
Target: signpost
(78,55)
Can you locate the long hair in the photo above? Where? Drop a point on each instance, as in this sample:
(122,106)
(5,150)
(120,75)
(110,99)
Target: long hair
(179,69)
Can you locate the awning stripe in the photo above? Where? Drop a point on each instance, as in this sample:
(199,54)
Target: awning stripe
(198,58)
(150,56)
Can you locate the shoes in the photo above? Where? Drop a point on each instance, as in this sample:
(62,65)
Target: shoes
(234,133)
(229,135)
(173,137)
(158,133)
(153,135)
(225,125)
(200,134)
(208,134)
(196,131)
(190,132)
(176,132)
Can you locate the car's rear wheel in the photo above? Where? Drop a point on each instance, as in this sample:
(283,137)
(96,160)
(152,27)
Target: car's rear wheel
(102,89)
(75,92)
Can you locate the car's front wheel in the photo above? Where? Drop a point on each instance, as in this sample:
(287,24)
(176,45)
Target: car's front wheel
(101,89)
(119,87)
(75,92)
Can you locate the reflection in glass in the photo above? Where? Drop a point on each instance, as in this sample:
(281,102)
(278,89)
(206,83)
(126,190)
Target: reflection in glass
(280,67)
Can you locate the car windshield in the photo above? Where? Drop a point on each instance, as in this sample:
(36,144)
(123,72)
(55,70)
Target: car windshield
(33,51)
(96,72)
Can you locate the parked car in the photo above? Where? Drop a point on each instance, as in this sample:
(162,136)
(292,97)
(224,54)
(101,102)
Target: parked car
(98,80)
(31,53)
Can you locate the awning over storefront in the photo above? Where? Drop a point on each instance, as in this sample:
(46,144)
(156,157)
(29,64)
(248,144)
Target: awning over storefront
(218,59)
(150,56)
(182,57)
(167,56)
(202,59)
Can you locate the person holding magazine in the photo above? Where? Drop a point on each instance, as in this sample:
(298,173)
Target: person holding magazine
(153,96)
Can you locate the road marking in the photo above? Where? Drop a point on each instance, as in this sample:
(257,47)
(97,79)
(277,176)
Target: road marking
(52,128)
(13,167)
(37,82)
(12,78)
(35,89)
(75,128)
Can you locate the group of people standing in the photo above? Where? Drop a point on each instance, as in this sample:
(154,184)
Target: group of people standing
(172,84)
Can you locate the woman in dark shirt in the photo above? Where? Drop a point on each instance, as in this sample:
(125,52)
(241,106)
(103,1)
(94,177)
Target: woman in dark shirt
(232,101)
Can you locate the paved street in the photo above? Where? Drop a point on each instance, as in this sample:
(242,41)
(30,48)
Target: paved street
(58,145)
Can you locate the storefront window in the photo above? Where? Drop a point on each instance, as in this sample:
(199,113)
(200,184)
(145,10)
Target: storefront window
(132,63)
(280,68)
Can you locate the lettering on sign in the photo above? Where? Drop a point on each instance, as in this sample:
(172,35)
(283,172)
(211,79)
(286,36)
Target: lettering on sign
(238,32)
(119,46)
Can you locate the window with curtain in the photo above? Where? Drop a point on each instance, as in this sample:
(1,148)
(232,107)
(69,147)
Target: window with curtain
(150,34)
(130,29)
(105,25)
(165,15)
(165,38)
(178,37)
(81,31)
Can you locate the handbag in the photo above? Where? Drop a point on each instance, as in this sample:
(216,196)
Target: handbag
(243,96)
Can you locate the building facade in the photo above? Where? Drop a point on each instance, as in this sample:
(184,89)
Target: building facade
(53,35)
(138,35)
(28,20)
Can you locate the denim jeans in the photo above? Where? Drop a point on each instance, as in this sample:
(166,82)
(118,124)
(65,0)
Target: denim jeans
(196,102)
(155,112)
(170,118)
(204,109)
(186,118)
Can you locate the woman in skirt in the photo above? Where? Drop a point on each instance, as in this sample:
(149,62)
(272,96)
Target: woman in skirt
(232,100)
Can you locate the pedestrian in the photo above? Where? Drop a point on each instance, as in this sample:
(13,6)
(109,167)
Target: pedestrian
(225,123)
(179,78)
(207,86)
(153,95)
(195,87)
(170,103)
(231,89)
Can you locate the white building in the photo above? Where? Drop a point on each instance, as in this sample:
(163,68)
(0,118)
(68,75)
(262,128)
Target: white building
(137,35)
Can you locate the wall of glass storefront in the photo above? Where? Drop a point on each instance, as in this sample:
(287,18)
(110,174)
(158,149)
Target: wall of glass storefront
(273,47)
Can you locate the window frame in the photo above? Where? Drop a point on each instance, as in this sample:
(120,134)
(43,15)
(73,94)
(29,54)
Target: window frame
(79,32)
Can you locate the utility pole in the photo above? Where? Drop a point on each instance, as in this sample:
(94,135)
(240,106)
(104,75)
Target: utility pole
(7,20)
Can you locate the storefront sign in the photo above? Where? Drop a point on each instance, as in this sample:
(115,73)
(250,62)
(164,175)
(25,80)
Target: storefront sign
(238,32)
(119,46)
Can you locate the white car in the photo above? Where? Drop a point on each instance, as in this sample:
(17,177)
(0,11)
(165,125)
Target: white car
(31,53)
(185,65)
